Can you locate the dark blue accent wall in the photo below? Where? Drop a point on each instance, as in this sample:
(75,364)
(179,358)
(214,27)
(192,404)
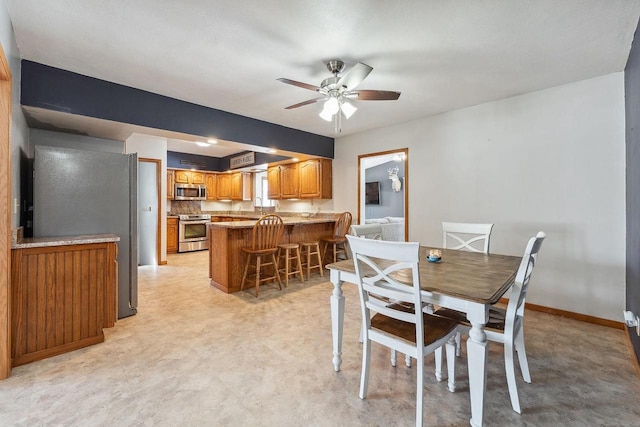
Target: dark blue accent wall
(632,113)
(60,90)
(199,162)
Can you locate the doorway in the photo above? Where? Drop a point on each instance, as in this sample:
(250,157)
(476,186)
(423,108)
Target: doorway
(5,216)
(383,187)
(149,211)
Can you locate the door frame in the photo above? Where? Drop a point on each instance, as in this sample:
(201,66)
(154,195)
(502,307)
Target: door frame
(401,151)
(158,163)
(5,217)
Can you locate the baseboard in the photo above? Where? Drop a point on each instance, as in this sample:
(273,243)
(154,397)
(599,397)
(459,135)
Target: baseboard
(572,315)
(162,263)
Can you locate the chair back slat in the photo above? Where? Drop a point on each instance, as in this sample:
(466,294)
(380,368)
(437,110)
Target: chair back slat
(463,236)
(515,308)
(267,232)
(342,225)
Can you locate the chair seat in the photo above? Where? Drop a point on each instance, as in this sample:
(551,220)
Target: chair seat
(266,251)
(435,327)
(288,245)
(496,317)
(334,239)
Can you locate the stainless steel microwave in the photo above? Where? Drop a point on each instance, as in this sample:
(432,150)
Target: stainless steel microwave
(190,192)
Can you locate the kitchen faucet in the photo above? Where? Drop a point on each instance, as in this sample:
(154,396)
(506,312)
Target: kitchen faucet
(259,198)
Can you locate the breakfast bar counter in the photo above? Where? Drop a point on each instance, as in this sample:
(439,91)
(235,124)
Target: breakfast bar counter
(227,238)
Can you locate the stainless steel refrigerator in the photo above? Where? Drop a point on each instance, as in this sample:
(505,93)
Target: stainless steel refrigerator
(90,192)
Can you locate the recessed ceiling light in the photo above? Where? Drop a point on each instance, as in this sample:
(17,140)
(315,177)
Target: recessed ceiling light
(272,150)
(212,141)
(201,144)
(295,159)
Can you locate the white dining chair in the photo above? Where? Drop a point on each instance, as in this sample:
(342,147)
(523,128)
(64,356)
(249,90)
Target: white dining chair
(507,326)
(466,237)
(401,326)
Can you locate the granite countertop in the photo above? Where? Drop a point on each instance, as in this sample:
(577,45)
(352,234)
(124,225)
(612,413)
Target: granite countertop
(287,221)
(37,242)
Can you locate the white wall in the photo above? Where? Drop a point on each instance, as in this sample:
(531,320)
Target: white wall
(152,147)
(552,160)
(19,130)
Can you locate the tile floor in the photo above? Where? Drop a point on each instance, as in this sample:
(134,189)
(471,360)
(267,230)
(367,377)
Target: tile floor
(194,356)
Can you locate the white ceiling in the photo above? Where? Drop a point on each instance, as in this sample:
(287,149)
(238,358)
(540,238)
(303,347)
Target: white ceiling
(227,54)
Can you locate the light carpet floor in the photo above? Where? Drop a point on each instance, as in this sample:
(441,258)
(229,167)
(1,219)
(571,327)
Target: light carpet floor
(195,356)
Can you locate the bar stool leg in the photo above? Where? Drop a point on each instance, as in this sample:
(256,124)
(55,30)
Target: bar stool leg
(300,273)
(287,264)
(321,267)
(258,259)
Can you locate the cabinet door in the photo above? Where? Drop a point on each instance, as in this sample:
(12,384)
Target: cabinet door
(182,177)
(273,181)
(236,186)
(171,177)
(197,177)
(289,181)
(172,235)
(224,187)
(310,179)
(211,181)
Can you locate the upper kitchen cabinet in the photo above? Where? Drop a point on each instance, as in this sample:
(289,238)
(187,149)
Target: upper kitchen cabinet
(241,186)
(224,186)
(283,181)
(171,181)
(211,181)
(315,179)
(189,177)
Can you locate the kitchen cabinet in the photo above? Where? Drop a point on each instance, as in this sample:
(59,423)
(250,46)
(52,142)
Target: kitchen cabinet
(171,182)
(189,177)
(224,186)
(315,179)
(241,186)
(211,181)
(284,181)
(172,235)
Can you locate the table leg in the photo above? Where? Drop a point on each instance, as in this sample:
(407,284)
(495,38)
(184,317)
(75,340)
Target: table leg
(337,318)
(477,351)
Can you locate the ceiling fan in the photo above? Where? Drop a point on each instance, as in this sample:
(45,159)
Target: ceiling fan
(337,92)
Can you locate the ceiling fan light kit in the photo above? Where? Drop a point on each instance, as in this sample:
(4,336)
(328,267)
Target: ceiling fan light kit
(336,91)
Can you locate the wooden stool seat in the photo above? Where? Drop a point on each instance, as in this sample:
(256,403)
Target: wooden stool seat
(308,250)
(290,252)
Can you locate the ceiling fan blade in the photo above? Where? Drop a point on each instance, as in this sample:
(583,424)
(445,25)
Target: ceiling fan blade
(301,104)
(375,95)
(355,76)
(299,84)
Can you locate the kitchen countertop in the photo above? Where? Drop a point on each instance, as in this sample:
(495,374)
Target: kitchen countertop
(37,242)
(287,221)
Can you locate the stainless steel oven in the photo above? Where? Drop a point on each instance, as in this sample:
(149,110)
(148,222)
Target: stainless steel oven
(193,234)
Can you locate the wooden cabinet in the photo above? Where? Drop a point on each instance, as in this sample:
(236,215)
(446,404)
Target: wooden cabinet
(241,186)
(283,181)
(211,181)
(315,179)
(310,179)
(224,186)
(172,235)
(189,177)
(171,181)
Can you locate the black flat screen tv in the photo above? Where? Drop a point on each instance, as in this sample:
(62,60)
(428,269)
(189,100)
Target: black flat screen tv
(372,193)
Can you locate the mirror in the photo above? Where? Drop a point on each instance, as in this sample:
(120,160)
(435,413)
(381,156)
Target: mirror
(383,195)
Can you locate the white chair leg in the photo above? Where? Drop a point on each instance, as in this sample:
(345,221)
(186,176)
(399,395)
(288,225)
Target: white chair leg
(407,360)
(438,357)
(393,358)
(511,376)
(420,390)
(458,345)
(451,363)
(522,356)
(366,361)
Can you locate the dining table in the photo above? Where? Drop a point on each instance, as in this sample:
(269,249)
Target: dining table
(470,282)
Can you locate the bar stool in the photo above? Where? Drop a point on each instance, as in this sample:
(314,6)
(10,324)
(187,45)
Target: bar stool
(290,252)
(264,244)
(309,249)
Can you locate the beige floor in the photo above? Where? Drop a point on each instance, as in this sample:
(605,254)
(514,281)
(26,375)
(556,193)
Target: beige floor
(194,356)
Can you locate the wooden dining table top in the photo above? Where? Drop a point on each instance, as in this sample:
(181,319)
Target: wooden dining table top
(472,276)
